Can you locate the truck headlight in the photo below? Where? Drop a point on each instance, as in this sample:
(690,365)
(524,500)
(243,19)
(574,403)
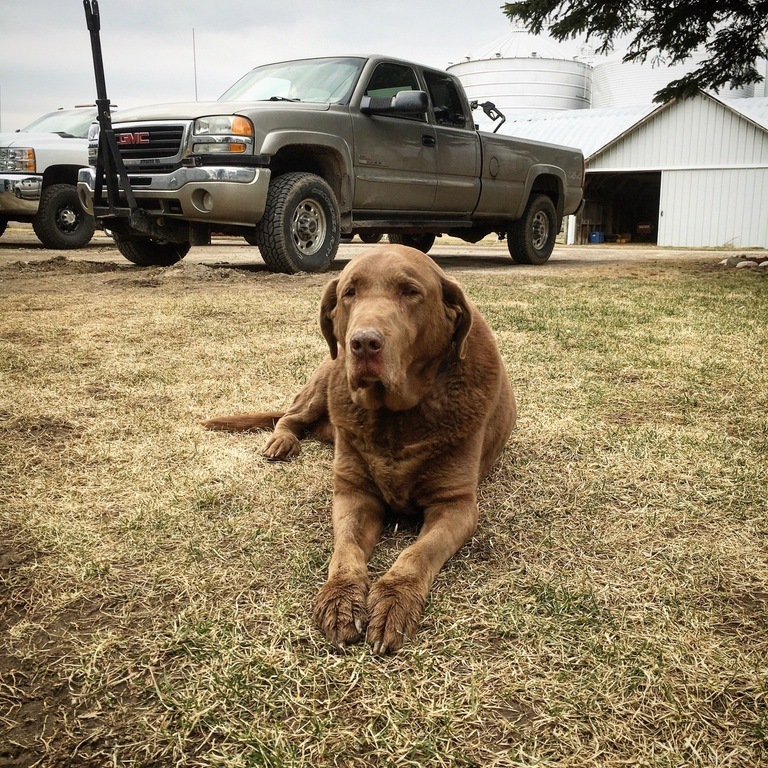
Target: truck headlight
(17,160)
(222,134)
(94,131)
(219,147)
(223,125)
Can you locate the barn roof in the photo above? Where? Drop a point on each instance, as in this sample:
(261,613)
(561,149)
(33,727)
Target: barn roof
(594,130)
(588,129)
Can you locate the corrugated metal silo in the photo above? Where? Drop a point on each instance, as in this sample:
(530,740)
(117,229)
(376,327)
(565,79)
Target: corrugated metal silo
(522,73)
(619,84)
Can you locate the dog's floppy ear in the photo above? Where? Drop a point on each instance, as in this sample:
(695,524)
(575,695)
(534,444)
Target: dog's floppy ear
(455,300)
(327,305)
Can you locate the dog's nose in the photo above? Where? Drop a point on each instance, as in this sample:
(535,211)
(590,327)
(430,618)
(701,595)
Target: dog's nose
(366,342)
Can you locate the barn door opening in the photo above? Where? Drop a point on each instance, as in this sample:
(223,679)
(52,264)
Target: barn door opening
(622,207)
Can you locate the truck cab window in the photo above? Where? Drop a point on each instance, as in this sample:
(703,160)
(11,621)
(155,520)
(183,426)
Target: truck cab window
(389,79)
(447,104)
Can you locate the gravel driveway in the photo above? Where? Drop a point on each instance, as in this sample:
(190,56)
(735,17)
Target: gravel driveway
(20,244)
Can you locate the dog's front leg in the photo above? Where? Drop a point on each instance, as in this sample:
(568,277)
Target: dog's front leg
(396,602)
(308,410)
(341,606)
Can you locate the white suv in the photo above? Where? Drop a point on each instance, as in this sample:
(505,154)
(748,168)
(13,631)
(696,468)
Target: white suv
(38,177)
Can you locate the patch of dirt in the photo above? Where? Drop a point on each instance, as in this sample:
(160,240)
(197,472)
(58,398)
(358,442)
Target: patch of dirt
(65,272)
(40,429)
(44,721)
(32,698)
(58,265)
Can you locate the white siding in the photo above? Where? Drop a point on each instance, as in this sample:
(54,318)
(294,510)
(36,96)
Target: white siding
(714,208)
(696,133)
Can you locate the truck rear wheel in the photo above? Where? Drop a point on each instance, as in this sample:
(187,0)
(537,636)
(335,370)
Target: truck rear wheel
(299,231)
(60,221)
(146,252)
(420,242)
(532,239)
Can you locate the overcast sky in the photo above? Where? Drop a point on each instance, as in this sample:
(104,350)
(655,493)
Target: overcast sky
(46,62)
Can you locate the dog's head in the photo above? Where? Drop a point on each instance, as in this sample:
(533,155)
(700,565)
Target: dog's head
(395,318)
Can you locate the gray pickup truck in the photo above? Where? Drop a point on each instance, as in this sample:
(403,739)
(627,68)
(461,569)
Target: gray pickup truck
(299,153)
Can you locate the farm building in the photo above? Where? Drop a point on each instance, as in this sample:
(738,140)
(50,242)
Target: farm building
(686,173)
(689,173)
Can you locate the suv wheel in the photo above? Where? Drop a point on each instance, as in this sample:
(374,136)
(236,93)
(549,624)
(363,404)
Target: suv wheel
(60,221)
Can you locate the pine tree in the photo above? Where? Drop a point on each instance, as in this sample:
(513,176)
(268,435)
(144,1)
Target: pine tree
(731,33)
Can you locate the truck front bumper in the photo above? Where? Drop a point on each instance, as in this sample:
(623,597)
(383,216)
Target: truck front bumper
(19,194)
(208,194)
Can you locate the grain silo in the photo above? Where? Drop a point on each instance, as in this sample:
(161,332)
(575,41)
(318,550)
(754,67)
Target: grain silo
(523,73)
(616,83)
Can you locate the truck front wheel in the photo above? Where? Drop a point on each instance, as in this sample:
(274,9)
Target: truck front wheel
(60,221)
(420,242)
(299,231)
(532,239)
(147,252)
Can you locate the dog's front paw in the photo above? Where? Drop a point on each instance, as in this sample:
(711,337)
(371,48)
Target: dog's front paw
(341,611)
(281,445)
(395,605)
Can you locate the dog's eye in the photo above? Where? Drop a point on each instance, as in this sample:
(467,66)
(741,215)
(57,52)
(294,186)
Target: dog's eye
(409,291)
(349,292)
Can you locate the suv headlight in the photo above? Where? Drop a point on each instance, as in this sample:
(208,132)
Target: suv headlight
(94,131)
(222,134)
(17,160)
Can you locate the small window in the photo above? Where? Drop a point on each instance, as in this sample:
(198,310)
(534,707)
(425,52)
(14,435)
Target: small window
(447,103)
(388,80)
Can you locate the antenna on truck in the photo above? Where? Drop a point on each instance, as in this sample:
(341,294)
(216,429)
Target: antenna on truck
(109,163)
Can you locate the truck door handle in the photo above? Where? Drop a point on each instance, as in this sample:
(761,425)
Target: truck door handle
(428,141)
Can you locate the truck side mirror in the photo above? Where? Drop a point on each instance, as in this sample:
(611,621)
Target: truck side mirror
(404,102)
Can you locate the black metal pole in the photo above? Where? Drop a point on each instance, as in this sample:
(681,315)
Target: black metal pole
(109,163)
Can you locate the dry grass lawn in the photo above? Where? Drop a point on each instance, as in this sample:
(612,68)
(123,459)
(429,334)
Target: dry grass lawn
(611,609)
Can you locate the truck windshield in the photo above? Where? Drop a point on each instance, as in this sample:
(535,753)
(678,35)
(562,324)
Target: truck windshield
(320,81)
(66,122)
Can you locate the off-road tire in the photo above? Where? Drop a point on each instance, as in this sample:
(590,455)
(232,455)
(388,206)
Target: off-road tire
(147,252)
(532,239)
(420,242)
(370,239)
(60,221)
(299,231)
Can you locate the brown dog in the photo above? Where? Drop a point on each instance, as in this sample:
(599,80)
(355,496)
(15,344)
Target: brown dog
(416,399)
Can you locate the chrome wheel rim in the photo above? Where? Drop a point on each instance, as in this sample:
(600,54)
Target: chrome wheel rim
(67,219)
(540,230)
(308,227)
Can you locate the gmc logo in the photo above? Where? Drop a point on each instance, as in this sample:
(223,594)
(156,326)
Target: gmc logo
(142,137)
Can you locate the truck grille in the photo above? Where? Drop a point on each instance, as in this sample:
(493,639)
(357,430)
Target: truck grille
(150,143)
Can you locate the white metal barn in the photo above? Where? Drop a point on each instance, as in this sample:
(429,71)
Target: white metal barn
(687,173)
(691,172)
